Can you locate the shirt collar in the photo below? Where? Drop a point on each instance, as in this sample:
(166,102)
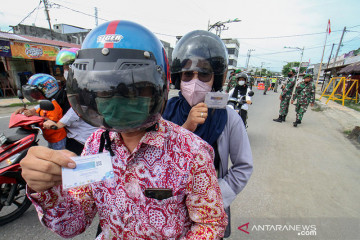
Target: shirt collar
(153,138)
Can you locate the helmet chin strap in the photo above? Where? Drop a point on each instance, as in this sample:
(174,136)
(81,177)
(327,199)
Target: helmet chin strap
(106,137)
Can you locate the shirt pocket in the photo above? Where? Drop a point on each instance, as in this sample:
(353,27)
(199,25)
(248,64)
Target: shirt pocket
(167,216)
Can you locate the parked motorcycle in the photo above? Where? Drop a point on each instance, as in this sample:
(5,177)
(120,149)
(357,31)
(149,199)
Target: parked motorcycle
(239,104)
(14,144)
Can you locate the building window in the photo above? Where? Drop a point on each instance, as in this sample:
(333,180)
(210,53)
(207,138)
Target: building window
(231,50)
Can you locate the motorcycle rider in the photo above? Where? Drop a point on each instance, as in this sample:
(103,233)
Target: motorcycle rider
(242,90)
(199,66)
(40,87)
(164,184)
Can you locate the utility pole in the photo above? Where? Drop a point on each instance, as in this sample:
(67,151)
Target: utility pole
(262,63)
(248,57)
(48,17)
(337,51)
(221,25)
(96,17)
(332,48)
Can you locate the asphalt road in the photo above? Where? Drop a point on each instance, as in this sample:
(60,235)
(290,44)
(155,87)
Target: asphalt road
(305,181)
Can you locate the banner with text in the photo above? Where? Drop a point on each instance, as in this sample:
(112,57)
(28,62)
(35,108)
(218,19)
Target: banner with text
(31,51)
(5,49)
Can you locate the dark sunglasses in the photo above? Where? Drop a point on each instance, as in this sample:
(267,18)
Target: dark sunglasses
(203,76)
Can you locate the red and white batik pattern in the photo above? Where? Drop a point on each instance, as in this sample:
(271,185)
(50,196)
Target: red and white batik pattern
(171,158)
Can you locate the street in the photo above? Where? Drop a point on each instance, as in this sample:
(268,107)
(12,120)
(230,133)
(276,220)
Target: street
(305,178)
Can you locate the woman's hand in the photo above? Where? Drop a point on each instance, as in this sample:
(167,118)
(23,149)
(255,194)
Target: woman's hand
(197,115)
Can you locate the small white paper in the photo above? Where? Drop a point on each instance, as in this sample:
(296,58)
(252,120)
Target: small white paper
(89,169)
(216,99)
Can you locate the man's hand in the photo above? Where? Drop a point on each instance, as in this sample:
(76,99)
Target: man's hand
(26,112)
(41,167)
(311,104)
(248,102)
(197,115)
(47,124)
(281,98)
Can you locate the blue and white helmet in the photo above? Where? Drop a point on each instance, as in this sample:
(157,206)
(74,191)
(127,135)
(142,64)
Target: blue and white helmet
(120,77)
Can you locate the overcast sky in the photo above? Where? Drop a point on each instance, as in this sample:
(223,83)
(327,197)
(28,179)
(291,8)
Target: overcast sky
(262,27)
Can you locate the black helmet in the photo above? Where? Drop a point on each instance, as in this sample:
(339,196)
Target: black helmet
(242,75)
(119,80)
(196,46)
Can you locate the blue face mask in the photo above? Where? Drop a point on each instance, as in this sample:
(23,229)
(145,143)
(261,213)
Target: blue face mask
(124,113)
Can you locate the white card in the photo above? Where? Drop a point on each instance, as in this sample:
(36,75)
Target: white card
(216,99)
(89,169)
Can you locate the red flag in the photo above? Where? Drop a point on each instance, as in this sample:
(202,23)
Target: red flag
(329,27)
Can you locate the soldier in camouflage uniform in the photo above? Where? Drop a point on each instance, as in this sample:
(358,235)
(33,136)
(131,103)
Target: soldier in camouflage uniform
(251,82)
(305,94)
(267,84)
(285,97)
(232,81)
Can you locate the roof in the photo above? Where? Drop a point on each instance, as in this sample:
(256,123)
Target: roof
(11,36)
(352,68)
(51,42)
(15,37)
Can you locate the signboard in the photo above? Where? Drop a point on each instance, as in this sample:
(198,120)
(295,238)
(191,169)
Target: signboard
(32,51)
(5,49)
(304,64)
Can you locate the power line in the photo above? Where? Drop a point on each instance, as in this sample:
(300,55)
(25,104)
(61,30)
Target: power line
(27,15)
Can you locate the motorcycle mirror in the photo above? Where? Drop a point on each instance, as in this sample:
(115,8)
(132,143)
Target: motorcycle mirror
(251,93)
(19,94)
(46,105)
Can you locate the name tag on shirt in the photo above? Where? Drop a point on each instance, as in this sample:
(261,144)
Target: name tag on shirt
(89,169)
(216,99)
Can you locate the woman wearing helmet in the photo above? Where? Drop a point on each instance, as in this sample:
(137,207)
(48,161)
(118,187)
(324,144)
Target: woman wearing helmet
(40,87)
(199,66)
(243,93)
(164,184)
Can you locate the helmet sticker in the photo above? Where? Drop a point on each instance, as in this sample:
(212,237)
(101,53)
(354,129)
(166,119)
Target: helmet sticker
(109,38)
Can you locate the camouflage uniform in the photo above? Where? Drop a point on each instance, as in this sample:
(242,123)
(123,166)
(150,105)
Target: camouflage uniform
(232,83)
(267,85)
(251,82)
(305,94)
(286,96)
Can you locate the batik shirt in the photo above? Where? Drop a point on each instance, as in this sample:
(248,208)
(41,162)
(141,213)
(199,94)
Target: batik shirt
(305,93)
(172,158)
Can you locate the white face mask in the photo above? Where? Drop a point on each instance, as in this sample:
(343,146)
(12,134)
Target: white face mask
(241,83)
(194,91)
(66,73)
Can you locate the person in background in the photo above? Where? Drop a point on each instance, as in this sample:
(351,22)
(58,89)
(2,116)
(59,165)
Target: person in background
(276,84)
(267,85)
(45,87)
(285,97)
(232,82)
(305,95)
(199,66)
(164,184)
(78,131)
(242,89)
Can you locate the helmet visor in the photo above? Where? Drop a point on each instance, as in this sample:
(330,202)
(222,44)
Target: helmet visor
(32,93)
(119,100)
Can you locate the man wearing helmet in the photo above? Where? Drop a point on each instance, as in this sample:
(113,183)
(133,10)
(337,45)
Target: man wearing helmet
(199,67)
(39,87)
(164,184)
(242,89)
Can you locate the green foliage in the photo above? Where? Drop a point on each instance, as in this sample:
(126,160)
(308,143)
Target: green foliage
(286,68)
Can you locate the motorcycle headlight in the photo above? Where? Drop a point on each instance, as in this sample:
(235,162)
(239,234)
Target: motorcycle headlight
(9,161)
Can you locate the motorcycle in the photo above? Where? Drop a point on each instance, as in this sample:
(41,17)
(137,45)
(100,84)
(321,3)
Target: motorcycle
(14,144)
(239,104)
